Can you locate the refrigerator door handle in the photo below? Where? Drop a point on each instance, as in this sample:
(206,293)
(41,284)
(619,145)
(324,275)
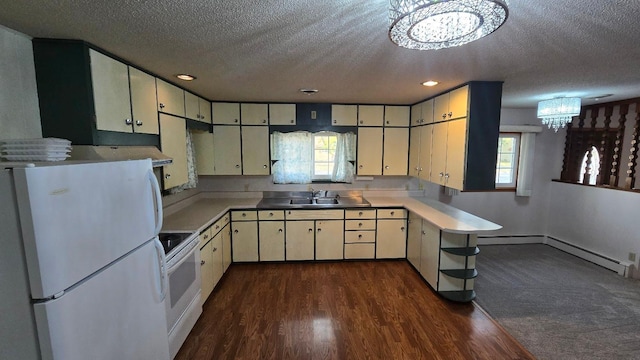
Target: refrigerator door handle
(162,264)
(158,205)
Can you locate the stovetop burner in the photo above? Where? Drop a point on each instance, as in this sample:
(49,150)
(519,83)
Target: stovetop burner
(170,240)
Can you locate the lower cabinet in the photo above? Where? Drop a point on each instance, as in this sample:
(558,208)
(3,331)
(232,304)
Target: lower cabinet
(391,234)
(430,253)
(213,259)
(206,271)
(414,240)
(244,242)
(329,239)
(271,235)
(300,240)
(226,247)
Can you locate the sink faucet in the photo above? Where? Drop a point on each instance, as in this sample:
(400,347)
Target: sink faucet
(316,193)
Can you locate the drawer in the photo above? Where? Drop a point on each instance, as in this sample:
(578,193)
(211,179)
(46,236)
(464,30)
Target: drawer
(244,215)
(205,236)
(392,214)
(271,215)
(359,237)
(360,225)
(360,214)
(219,225)
(314,214)
(359,251)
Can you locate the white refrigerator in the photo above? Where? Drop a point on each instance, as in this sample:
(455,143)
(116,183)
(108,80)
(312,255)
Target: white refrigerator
(82,273)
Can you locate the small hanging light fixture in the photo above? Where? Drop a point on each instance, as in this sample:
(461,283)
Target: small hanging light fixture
(556,113)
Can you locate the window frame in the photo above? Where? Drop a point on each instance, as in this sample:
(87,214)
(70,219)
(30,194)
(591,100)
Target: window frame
(511,186)
(321,178)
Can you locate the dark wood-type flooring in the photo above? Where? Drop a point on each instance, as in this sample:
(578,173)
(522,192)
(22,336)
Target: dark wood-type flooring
(341,310)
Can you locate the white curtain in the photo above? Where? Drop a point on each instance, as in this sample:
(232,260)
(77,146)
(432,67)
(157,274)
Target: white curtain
(192,181)
(343,169)
(293,155)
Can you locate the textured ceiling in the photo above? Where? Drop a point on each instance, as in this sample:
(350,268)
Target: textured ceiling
(248,50)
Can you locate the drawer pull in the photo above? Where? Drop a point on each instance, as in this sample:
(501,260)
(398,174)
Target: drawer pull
(310,230)
(360,224)
(217,227)
(402,228)
(360,213)
(202,262)
(393,212)
(215,249)
(270,214)
(206,236)
(360,236)
(244,214)
(235,231)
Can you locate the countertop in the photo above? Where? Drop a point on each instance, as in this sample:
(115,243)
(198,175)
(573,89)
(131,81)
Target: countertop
(203,212)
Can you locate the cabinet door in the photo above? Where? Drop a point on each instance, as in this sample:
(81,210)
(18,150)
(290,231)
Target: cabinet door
(282,114)
(441,107)
(396,150)
(244,241)
(414,151)
(369,151)
(459,102)
(426,150)
(254,114)
(110,93)
(427,111)
(173,140)
(430,253)
(191,106)
(170,98)
(300,240)
(439,153)
(255,150)
(416,114)
(226,147)
(391,239)
(225,113)
(370,115)
(143,102)
(344,115)
(456,150)
(329,239)
(396,116)
(271,235)
(206,271)
(203,146)
(414,240)
(217,258)
(205,110)
(226,246)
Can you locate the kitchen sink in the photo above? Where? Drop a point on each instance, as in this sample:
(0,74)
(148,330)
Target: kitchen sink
(326,201)
(311,199)
(301,201)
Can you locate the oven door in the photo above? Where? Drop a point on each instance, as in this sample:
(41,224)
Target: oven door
(184,286)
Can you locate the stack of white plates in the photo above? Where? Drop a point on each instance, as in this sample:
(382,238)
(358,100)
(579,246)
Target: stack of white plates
(47,149)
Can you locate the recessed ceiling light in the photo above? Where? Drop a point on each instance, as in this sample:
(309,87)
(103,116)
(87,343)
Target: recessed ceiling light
(430,83)
(185,77)
(308,91)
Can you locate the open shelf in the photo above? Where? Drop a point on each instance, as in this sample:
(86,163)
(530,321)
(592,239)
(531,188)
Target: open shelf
(461,274)
(462,251)
(459,296)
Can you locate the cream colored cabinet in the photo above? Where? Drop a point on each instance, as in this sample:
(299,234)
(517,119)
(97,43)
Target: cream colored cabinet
(360,234)
(448,155)
(255,150)
(206,271)
(414,240)
(197,108)
(329,239)
(397,115)
(452,105)
(225,113)
(217,258)
(370,115)
(422,113)
(111,93)
(244,236)
(204,152)
(344,115)
(391,238)
(439,153)
(369,154)
(143,102)
(396,150)
(227,150)
(173,140)
(414,151)
(282,114)
(226,244)
(430,253)
(420,151)
(300,240)
(254,114)
(170,98)
(416,114)
(271,236)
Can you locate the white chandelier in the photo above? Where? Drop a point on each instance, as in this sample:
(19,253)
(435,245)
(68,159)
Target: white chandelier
(556,113)
(438,24)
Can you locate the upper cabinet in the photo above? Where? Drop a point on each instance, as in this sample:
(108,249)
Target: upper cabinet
(422,113)
(344,115)
(170,98)
(92,99)
(452,105)
(370,115)
(396,115)
(282,114)
(173,139)
(226,113)
(254,114)
(197,108)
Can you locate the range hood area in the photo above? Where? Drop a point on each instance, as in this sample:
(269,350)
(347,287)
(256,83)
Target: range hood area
(115,153)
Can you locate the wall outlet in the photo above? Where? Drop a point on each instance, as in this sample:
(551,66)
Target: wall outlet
(632,257)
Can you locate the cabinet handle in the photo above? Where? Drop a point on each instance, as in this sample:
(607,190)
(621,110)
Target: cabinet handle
(420,169)
(386,167)
(402,228)
(292,121)
(214,249)
(360,213)
(264,121)
(161,106)
(387,122)
(441,174)
(444,116)
(237,166)
(244,214)
(423,232)
(270,214)
(446,176)
(450,114)
(359,166)
(264,166)
(417,169)
(310,230)
(360,236)
(167,176)
(202,262)
(235,120)
(217,227)
(319,230)
(138,122)
(235,231)
(360,224)
(206,237)
(128,121)
(279,230)
(392,213)
(361,122)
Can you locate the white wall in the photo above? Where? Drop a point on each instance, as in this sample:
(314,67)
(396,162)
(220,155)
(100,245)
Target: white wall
(19,110)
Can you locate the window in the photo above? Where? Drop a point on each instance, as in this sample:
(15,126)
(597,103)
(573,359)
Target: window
(595,166)
(324,153)
(507,164)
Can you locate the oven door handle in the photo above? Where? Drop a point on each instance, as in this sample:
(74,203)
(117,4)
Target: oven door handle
(163,282)
(194,244)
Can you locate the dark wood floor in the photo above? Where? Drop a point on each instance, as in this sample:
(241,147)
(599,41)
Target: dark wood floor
(342,310)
